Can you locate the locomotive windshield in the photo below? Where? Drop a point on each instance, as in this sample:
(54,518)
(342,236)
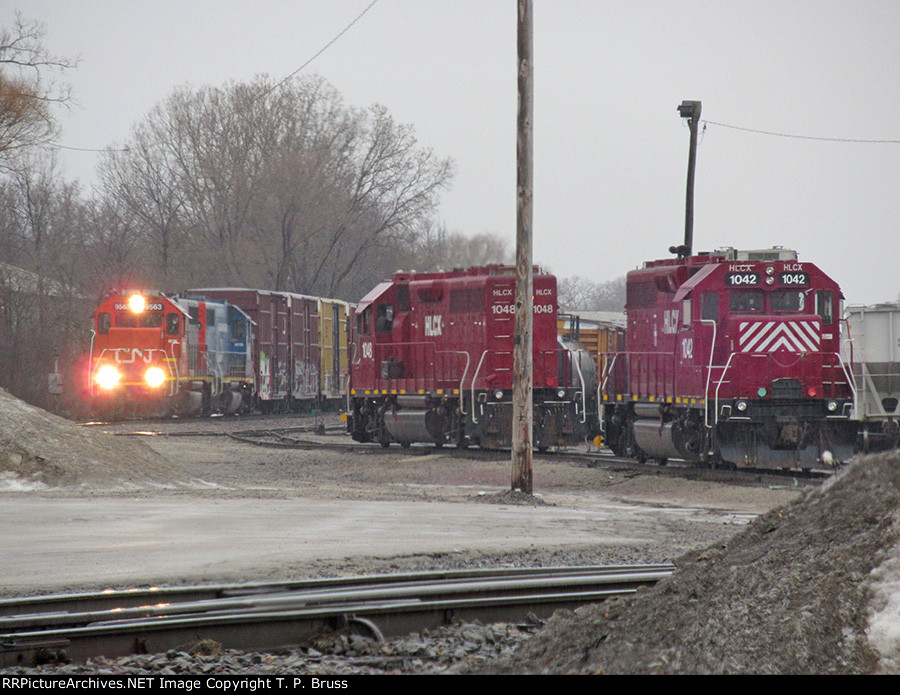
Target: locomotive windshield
(787,300)
(148,320)
(746,301)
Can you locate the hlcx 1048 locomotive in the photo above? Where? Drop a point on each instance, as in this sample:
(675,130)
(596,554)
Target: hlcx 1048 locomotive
(432,361)
(223,350)
(731,357)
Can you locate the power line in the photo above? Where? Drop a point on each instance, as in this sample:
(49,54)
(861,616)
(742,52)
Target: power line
(325,47)
(276,86)
(801,137)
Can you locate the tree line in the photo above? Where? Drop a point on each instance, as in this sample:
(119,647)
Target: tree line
(281,186)
(276,185)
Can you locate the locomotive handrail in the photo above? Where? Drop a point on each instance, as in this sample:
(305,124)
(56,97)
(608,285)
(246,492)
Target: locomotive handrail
(848,376)
(474,377)
(601,386)
(709,368)
(850,382)
(174,377)
(583,393)
(462,379)
(718,386)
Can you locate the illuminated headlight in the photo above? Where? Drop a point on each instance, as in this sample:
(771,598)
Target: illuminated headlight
(832,406)
(107,377)
(136,303)
(498,394)
(741,406)
(561,393)
(154,377)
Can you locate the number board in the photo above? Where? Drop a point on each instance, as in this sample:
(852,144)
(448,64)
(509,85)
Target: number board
(794,279)
(152,306)
(742,279)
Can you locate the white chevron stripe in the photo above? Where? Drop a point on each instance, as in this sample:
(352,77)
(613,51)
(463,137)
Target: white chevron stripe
(772,336)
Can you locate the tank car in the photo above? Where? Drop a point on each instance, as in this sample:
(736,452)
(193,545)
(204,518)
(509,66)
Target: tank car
(155,354)
(733,358)
(873,350)
(432,361)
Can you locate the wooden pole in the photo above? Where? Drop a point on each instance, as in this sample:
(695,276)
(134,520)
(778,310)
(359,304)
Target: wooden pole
(523,375)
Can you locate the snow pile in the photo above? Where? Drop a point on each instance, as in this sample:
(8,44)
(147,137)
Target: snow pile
(39,450)
(810,588)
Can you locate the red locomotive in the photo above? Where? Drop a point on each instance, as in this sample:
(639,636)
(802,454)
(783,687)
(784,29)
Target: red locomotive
(732,357)
(154,354)
(432,361)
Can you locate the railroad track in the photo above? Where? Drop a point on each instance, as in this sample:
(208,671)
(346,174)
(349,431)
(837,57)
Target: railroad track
(290,438)
(262,616)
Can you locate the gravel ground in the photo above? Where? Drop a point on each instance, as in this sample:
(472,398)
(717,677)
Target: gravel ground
(808,587)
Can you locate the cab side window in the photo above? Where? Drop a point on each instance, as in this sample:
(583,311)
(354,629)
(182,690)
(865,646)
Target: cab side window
(825,306)
(710,306)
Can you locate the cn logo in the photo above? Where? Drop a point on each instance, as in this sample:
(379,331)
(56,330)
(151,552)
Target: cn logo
(433,326)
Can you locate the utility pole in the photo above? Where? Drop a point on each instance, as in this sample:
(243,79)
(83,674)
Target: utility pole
(523,375)
(691,111)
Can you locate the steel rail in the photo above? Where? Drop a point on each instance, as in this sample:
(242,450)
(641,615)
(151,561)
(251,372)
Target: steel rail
(67,604)
(270,620)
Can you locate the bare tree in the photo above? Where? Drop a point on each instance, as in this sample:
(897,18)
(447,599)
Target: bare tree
(581,293)
(286,187)
(26,90)
(432,247)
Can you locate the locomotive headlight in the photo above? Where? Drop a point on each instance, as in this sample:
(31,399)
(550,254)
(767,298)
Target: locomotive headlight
(137,303)
(832,406)
(154,377)
(107,377)
(498,394)
(741,406)
(561,393)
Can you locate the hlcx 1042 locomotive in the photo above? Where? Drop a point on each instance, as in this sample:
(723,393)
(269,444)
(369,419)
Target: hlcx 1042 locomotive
(223,350)
(734,357)
(432,361)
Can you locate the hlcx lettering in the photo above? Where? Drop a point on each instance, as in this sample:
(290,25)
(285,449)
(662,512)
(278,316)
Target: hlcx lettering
(433,326)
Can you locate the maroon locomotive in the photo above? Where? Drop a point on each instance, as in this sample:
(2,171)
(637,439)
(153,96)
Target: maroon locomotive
(432,361)
(732,357)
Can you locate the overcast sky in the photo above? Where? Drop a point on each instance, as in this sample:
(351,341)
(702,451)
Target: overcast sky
(610,149)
